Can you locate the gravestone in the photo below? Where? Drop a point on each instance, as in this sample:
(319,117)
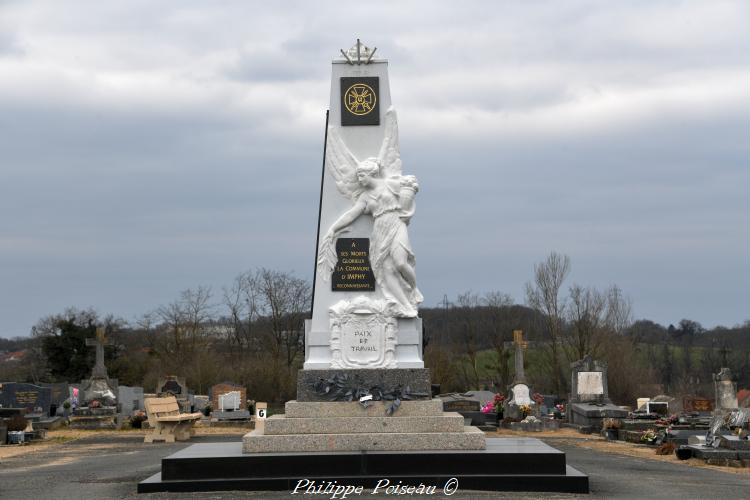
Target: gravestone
(725,386)
(673,405)
(519,393)
(660,408)
(230,401)
(98,398)
(173,385)
(364,340)
(130,399)
(35,399)
(465,404)
(60,394)
(200,402)
(459,403)
(696,404)
(217,390)
(589,402)
(99,386)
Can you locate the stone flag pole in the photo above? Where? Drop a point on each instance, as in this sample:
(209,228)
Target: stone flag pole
(365,294)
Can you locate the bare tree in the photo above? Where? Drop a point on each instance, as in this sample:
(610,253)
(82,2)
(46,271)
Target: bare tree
(287,302)
(500,324)
(587,316)
(241,301)
(468,333)
(543,294)
(185,322)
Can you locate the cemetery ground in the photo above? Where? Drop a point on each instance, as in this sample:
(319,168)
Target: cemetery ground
(109,464)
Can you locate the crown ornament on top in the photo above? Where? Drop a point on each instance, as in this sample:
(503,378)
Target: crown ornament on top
(359,53)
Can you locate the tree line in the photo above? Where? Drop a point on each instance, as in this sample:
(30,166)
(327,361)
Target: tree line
(251,332)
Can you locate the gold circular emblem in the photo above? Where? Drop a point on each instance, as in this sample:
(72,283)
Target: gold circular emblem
(360,99)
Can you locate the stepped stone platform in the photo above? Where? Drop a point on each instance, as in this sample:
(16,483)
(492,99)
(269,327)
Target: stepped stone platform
(349,426)
(507,464)
(470,438)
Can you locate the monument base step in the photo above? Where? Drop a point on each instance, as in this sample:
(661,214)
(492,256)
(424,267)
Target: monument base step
(507,464)
(469,438)
(418,408)
(447,422)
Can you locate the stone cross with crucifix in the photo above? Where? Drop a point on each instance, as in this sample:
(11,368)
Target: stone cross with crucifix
(99,371)
(520,344)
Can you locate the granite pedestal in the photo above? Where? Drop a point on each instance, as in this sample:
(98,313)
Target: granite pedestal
(349,426)
(416,379)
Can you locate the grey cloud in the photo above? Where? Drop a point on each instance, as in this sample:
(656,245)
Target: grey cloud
(183,145)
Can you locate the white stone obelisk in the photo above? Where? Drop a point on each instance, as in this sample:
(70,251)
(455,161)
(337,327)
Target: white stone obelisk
(355,328)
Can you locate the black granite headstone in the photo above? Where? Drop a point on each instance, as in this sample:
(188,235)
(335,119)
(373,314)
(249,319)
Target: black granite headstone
(172,387)
(19,395)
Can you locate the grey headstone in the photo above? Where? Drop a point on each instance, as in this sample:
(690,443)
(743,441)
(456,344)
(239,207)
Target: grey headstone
(60,392)
(589,381)
(200,402)
(726,389)
(459,403)
(130,399)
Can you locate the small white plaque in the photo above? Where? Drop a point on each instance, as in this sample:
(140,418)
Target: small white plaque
(521,394)
(590,383)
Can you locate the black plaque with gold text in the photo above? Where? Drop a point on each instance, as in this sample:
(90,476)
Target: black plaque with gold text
(360,100)
(353,272)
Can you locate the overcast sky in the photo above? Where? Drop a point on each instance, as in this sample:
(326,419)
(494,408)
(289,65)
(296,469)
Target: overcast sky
(149,147)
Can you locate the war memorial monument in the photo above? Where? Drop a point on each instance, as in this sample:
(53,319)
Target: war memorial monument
(364,416)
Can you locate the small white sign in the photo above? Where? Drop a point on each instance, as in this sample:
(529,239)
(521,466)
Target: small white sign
(261,411)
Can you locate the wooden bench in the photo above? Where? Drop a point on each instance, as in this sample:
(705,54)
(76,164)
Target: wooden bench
(168,423)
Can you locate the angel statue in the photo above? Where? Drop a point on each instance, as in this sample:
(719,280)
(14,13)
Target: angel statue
(376,187)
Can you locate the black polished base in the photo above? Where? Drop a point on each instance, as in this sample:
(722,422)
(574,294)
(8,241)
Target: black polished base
(508,464)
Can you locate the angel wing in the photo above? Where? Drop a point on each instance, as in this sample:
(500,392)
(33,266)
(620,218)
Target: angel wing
(342,165)
(390,154)
(327,257)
